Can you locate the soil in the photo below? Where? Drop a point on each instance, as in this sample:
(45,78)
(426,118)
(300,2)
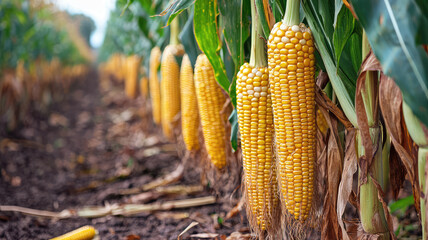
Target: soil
(95,143)
(82,151)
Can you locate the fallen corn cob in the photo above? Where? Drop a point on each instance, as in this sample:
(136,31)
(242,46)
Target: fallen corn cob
(189,106)
(210,103)
(83,233)
(154,84)
(291,76)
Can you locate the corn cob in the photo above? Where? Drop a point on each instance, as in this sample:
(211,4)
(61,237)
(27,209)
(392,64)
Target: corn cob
(144,87)
(256,127)
(154,85)
(132,64)
(189,106)
(210,103)
(291,76)
(83,233)
(170,88)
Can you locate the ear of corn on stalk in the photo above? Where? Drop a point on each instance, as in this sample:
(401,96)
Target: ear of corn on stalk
(83,233)
(189,106)
(144,87)
(170,88)
(132,67)
(255,118)
(291,75)
(256,127)
(154,84)
(210,103)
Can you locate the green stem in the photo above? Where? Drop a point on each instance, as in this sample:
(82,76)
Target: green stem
(371,210)
(416,131)
(372,215)
(258,52)
(422,157)
(370,87)
(175,30)
(292,13)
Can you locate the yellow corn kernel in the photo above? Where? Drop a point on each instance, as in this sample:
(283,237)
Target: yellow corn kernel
(256,142)
(210,103)
(170,89)
(291,78)
(83,233)
(189,106)
(154,84)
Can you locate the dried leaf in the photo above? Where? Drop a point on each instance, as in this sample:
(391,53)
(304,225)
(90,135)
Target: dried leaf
(397,172)
(204,235)
(239,236)
(345,186)
(322,79)
(322,99)
(365,162)
(171,215)
(192,224)
(56,119)
(390,101)
(236,209)
(330,228)
(133,237)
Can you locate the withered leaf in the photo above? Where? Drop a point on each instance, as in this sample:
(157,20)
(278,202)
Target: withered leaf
(345,186)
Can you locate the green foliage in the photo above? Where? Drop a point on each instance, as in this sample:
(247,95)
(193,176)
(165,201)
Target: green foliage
(402,204)
(187,38)
(342,74)
(28,35)
(396,41)
(207,36)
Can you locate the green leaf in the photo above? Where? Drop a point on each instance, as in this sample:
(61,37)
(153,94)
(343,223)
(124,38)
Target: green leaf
(342,31)
(126,6)
(233,119)
(337,8)
(355,50)
(263,18)
(402,204)
(392,28)
(176,7)
(206,33)
(231,71)
(233,28)
(326,13)
(341,84)
(187,38)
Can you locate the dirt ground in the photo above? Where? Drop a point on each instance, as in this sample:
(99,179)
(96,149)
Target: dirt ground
(83,151)
(90,148)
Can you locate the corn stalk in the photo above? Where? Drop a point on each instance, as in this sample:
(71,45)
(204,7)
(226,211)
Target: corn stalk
(372,214)
(419,133)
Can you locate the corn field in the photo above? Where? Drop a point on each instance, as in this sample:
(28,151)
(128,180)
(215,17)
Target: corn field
(262,119)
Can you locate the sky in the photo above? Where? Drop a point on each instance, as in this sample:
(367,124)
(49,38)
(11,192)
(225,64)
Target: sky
(98,10)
